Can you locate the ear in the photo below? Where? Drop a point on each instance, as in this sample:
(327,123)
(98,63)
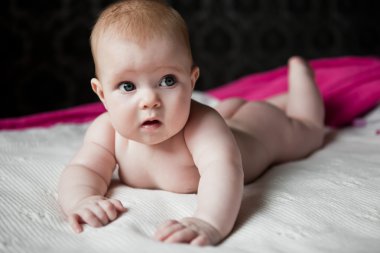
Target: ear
(98,89)
(194,76)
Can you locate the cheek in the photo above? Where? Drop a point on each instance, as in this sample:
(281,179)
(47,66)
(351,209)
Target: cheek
(180,109)
(117,102)
(121,113)
(123,123)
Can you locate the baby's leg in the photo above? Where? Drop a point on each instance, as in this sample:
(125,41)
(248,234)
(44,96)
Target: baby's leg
(304,100)
(228,107)
(305,111)
(289,127)
(279,101)
(302,91)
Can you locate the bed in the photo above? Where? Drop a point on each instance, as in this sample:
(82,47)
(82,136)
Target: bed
(327,202)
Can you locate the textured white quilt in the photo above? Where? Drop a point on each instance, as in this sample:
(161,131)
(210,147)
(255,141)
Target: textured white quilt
(328,202)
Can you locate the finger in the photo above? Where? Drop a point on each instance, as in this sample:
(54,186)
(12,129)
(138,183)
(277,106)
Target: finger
(90,218)
(74,221)
(200,240)
(181,236)
(100,213)
(167,224)
(119,206)
(167,229)
(109,209)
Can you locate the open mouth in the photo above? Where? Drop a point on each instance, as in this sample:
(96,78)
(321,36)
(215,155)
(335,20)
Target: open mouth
(151,124)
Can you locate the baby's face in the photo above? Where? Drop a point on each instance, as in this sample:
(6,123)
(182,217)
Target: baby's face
(145,88)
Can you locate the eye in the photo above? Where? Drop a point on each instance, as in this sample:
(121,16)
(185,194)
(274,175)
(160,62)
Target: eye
(168,81)
(127,86)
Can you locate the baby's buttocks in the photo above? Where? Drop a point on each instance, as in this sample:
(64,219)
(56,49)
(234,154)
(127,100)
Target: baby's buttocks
(167,166)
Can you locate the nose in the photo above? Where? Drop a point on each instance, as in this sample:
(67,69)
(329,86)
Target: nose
(149,99)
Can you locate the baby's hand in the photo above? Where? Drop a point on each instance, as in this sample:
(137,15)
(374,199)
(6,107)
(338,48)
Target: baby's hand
(188,230)
(95,211)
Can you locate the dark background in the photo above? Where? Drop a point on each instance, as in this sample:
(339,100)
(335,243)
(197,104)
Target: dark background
(46,62)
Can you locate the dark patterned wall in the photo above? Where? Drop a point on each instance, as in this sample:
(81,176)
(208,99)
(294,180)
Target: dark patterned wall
(46,62)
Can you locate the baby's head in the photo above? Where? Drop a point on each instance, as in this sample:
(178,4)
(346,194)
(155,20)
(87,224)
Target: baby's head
(139,21)
(144,70)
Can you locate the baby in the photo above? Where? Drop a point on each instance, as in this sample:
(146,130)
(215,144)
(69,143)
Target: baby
(159,138)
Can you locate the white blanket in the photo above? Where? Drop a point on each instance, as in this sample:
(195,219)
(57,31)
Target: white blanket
(328,202)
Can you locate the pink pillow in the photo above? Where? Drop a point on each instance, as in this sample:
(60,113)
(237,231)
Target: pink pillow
(77,115)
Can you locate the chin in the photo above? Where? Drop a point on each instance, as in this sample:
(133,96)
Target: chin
(151,140)
(154,137)
(157,139)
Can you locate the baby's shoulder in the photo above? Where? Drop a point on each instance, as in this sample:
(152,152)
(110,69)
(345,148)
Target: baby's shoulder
(202,112)
(203,117)
(102,122)
(101,131)
(206,130)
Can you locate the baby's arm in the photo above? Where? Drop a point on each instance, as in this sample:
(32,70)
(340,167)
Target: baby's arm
(220,190)
(85,181)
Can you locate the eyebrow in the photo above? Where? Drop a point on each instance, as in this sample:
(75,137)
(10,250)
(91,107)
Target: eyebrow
(175,68)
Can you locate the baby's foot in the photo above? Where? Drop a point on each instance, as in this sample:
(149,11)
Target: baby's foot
(299,66)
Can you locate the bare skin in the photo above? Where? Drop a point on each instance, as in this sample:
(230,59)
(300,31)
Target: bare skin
(265,134)
(161,139)
(273,131)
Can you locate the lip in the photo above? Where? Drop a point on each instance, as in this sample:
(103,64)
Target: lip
(151,124)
